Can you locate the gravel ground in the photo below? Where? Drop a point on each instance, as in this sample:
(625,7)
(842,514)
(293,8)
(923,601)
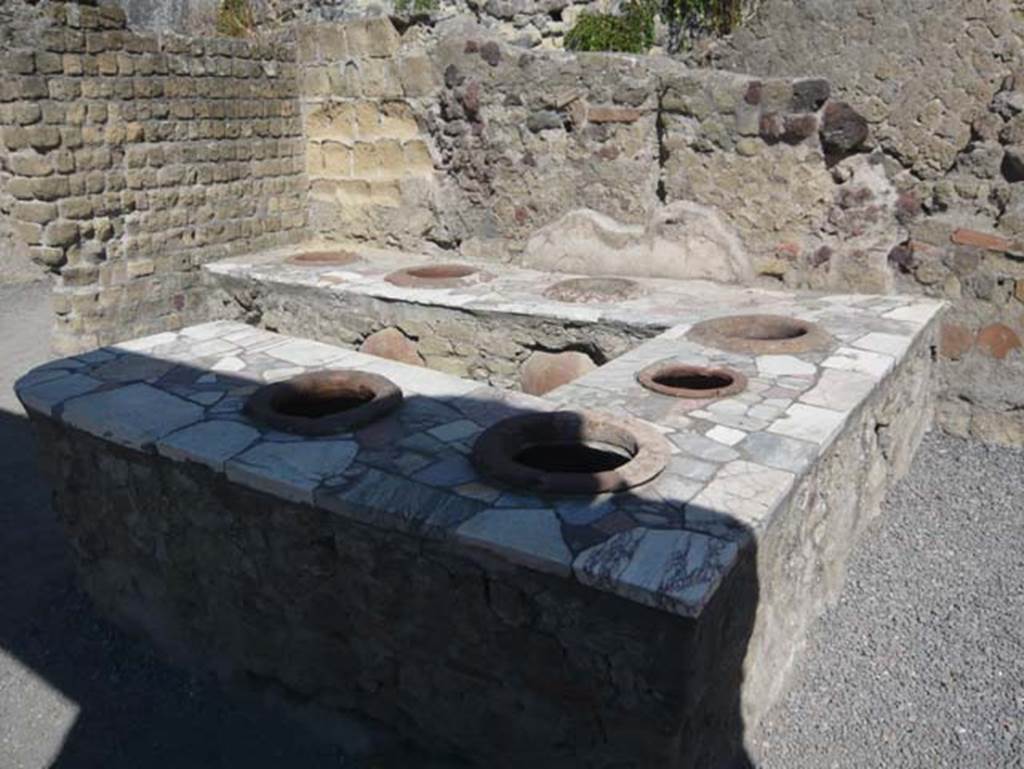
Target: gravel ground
(921,664)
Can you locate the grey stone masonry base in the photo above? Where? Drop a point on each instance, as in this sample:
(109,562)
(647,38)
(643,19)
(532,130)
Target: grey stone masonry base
(379,570)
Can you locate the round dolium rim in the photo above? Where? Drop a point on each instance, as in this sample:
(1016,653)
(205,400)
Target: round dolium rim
(441,275)
(595,289)
(324,258)
(570,452)
(761,334)
(324,402)
(682,380)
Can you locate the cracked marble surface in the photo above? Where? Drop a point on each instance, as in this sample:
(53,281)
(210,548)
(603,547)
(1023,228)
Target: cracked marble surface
(662,304)
(667,544)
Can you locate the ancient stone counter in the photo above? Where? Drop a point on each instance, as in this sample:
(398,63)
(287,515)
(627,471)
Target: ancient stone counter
(385,570)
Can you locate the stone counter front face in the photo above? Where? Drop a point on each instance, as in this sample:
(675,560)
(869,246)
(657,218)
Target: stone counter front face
(460,652)
(379,570)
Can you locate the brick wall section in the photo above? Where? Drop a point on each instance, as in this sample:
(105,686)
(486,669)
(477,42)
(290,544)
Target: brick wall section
(370,168)
(131,159)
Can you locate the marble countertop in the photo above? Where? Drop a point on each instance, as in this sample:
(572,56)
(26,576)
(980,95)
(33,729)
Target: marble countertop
(512,290)
(665,544)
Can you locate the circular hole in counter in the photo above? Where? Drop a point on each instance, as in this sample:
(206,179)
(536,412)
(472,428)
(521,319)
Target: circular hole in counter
(682,380)
(325,258)
(761,334)
(581,290)
(570,452)
(445,275)
(324,402)
(573,457)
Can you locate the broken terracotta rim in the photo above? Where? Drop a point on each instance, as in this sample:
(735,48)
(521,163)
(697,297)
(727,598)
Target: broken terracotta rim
(570,452)
(682,380)
(593,290)
(442,275)
(324,402)
(326,258)
(761,334)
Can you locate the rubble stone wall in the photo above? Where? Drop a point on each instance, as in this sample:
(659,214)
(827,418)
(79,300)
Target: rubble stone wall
(130,159)
(941,86)
(526,23)
(462,142)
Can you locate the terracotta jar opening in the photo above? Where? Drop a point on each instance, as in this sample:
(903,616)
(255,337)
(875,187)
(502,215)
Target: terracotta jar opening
(570,452)
(448,275)
(330,258)
(324,402)
(761,334)
(442,271)
(593,290)
(685,381)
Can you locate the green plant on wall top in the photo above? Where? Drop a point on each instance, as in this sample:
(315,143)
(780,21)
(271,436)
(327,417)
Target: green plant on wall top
(235,18)
(632,30)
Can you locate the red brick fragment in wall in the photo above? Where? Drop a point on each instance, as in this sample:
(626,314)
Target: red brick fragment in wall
(908,207)
(955,340)
(771,126)
(613,114)
(986,240)
(787,250)
(998,340)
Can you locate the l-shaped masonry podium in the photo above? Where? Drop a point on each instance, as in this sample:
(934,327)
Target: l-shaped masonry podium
(617,574)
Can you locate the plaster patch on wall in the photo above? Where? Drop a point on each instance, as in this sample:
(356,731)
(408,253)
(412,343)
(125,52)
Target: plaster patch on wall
(682,240)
